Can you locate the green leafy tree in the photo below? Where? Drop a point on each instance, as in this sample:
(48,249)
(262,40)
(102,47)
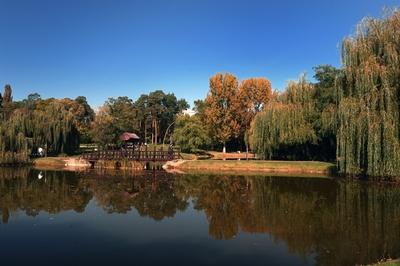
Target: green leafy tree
(149,116)
(31,101)
(84,117)
(143,116)
(326,107)
(200,109)
(368,134)
(102,129)
(122,112)
(325,87)
(156,112)
(190,133)
(254,95)
(285,128)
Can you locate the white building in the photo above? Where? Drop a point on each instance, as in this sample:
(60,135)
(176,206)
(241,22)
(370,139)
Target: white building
(189,112)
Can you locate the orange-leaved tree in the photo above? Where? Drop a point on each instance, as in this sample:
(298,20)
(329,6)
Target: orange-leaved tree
(220,111)
(254,94)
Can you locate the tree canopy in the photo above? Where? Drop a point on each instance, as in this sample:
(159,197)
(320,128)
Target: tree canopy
(53,124)
(353,111)
(229,107)
(149,116)
(220,110)
(190,133)
(285,128)
(368,136)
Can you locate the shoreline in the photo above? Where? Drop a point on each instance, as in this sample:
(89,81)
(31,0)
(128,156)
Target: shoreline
(210,166)
(243,166)
(60,163)
(309,168)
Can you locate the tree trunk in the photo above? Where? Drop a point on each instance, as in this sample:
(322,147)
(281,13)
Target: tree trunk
(224,151)
(156,133)
(145,131)
(152,131)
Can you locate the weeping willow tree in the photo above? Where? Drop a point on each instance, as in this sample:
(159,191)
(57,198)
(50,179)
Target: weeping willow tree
(285,128)
(24,131)
(13,147)
(369,93)
(55,128)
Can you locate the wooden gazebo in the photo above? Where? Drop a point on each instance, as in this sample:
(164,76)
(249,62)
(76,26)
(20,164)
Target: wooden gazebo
(130,139)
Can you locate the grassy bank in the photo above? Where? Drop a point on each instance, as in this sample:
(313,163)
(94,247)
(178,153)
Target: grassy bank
(290,167)
(233,166)
(56,162)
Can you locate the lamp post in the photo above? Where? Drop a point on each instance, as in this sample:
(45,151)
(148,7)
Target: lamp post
(166,132)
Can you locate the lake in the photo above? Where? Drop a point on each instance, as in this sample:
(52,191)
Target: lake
(155,218)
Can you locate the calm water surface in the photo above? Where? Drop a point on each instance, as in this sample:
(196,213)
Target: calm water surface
(68,218)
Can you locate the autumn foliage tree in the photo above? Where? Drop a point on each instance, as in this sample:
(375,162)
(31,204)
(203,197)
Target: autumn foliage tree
(229,107)
(254,94)
(221,112)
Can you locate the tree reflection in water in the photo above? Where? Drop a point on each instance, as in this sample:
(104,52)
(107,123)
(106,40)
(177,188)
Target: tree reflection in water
(154,197)
(20,189)
(341,222)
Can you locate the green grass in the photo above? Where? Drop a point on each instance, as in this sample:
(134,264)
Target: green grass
(258,165)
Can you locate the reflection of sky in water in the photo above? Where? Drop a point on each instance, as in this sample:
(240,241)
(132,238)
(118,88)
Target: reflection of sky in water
(95,236)
(179,220)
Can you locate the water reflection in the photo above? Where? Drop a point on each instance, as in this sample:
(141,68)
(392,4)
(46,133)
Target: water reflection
(21,189)
(335,222)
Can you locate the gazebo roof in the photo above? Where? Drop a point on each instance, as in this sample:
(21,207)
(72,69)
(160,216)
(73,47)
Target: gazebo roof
(127,136)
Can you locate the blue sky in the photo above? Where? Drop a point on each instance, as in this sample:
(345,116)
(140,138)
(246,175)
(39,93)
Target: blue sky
(103,48)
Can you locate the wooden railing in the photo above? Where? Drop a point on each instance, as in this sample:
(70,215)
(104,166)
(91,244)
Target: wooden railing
(134,155)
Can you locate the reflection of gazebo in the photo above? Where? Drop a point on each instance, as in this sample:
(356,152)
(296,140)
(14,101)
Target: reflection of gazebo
(130,139)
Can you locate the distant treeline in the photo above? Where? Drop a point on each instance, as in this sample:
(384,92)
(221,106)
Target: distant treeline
(60,125)
(149,116)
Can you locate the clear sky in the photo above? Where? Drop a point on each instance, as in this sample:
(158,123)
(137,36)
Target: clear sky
(103,48)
